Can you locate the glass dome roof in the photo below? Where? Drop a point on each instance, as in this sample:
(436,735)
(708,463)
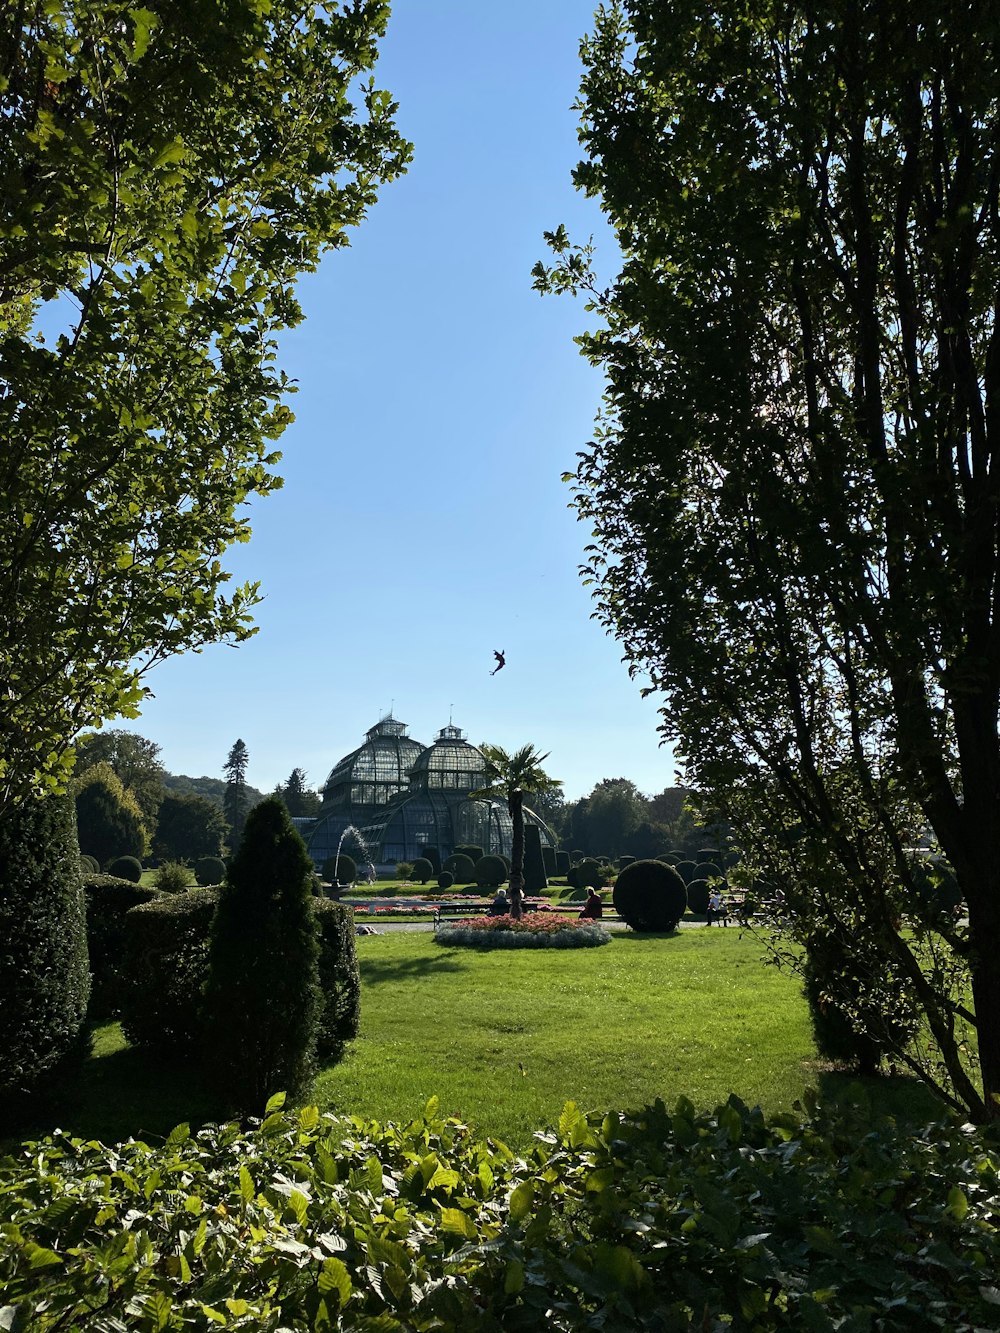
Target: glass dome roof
(450,764)
(372,774)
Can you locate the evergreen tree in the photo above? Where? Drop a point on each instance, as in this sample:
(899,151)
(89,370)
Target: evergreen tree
(300,801)
(109,821)
(234,803)
(263,1000)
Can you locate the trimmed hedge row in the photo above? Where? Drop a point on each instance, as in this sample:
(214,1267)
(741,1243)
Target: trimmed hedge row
(107,900)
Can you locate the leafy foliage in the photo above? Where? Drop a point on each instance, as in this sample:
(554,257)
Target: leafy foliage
(262,1003)
(126,867)
(445,879)
(792,489)
(511,775)
(107,899)
(209,870)
(461,866)
(108,818)
(44,980)
(339,979)
(614,1221)
(421,870)
(134,759)
(189,827)
(166,968)
(650,896)
(169,171)
(491,872)
(173,877)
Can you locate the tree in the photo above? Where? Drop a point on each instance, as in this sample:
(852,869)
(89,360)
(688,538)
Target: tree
(108,819)
(135,759)
(298,798)
(511,777)
(614,809)
(263,1000)
(235,800)
(189,827)
(793,486)
(169,170)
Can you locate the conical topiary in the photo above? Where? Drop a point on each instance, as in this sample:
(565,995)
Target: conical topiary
(263,1000)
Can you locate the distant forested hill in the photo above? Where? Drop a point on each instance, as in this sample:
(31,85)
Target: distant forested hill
(213,789)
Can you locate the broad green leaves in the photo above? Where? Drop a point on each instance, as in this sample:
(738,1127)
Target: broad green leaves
(168,172)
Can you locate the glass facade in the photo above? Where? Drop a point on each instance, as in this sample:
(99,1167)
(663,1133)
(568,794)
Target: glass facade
(398,796)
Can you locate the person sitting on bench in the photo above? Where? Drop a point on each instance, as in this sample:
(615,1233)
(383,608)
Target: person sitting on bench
(593,908)
(500,905)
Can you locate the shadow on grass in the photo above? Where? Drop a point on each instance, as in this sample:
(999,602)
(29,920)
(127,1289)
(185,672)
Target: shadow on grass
(376,970)
(128,1093)
(633,935)
(903,1098)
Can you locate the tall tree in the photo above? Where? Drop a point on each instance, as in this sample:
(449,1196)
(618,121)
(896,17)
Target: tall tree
(108,819)
(235,803)
(168,171)
(614,809)
(135,759)
(188,827)
(299,799)
(795,481)
(794,485)
(511,777)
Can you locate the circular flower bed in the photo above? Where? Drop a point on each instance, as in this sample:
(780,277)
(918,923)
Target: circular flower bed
(534,930)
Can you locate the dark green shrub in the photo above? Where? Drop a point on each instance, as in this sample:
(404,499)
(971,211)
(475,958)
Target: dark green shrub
(534,867)
(491,872)
(166,970)
(562,863)
(339,980)
(707,870)
(624,861)
(172,877)
(672,858)
(473,853)
(576,856)
(434,856)
(549,860)
(686,871)
(209,870)
(446,879)
(89,865)
(697,896)
(404,869)
(109,821)
(126,867)
(262,1003)
(342,869)
(462,867)
(422,870)
(107,900)
(650,896)
(708,854)
(584,874)
(44,981)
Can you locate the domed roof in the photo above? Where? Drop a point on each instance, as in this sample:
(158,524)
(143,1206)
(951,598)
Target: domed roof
(450,763)
(377,769)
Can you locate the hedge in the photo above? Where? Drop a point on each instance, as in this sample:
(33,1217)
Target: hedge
(339,979)
(107,899)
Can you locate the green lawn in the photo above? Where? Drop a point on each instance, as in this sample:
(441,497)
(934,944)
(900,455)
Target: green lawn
(504,1039)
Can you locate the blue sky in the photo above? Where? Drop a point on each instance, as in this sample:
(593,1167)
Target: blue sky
(423,522)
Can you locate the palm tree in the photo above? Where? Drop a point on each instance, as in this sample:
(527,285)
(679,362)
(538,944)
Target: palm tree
(510,776)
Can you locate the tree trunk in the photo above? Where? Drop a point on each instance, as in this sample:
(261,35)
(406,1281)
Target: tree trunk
(515,804)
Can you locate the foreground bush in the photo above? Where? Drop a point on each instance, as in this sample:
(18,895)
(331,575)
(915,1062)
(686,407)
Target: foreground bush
(649,1221)
(107,899)
(44,980)
(339,979)
(262,1002)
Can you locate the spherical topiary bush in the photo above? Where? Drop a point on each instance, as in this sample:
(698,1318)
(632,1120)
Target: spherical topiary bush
(126,867)
(209,870)
(576,856)
(446,879)
(697,896)
(423,870)
(340,869)
(462,867)
(89,865)
(491,872)
(587,874)
(650,896)
(468,849)
(686,871)
(707,870)
(624,861)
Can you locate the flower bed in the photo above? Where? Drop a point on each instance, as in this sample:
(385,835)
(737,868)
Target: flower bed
(534,930)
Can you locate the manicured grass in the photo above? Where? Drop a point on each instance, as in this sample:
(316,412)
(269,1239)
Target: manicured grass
(504,1039)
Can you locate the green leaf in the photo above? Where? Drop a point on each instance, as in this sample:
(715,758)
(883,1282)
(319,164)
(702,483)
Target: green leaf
(457,1223)
(521,1200)
(334,1277)
(275,1103)
(958,1204)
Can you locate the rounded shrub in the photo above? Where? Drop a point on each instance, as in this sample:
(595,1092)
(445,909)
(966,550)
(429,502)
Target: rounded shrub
(849,1027)
(707,854)
(586,873)
(340,869)
(490,872)
(434,856)
(89,865)
(126,867)
(44,979)
(624,861)
(446,879)
(462,867)
(576,856)
(422,870)
(686,871)
(473,853)
(697,896)
(339,979)
(172,877)
(263,1003)
(650,896)
(707,870)
(209,870)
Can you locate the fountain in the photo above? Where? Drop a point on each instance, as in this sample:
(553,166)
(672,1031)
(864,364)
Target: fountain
(362,847)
